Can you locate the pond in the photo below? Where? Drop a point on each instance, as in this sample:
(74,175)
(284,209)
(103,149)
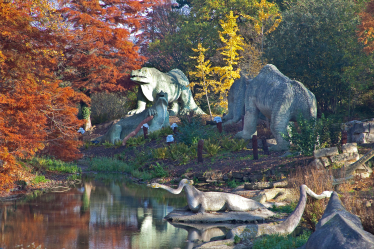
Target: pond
(96,214)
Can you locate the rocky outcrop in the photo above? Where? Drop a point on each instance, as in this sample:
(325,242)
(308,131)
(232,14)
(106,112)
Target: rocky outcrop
(279,99)
(361,132)
(339,229)
(330,157)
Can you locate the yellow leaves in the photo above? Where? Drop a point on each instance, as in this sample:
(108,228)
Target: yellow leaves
(233,42)
(268,17)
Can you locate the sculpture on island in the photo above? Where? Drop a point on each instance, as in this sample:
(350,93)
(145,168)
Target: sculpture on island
(280,100)
(211,201)
(174,83)
(119,130)
(338,228)
(285,227)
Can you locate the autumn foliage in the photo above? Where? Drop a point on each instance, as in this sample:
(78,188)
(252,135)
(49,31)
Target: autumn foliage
(366,28)
(36,114)
(100,54)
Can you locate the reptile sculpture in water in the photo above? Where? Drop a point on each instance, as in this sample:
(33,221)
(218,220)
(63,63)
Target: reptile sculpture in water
(199,201)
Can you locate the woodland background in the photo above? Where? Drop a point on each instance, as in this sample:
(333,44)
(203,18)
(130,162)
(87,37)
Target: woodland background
(58,55)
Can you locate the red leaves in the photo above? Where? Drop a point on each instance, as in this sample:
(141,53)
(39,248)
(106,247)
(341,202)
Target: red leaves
(101,51)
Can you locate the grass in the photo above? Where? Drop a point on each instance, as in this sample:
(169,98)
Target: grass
(284,209)
(51,164)
(110,165)
(281,242)
(39,179)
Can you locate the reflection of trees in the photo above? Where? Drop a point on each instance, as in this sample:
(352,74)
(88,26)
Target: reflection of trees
(51,217)
(107,216)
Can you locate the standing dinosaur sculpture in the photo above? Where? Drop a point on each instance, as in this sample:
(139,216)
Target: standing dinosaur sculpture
(174,83)
(280,100)
(211,201)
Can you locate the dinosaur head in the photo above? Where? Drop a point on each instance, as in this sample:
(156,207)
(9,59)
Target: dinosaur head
(142,76)
(153,185)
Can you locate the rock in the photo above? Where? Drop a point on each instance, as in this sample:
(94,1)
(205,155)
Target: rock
(343,158)
(181,215)
(339,229)
(325,161)
(316,163)
(326,152)
(350,147)
(258,185)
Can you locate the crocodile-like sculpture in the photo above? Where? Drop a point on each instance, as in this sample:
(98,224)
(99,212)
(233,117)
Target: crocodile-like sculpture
(119,130)
(280,100)
(174,83)
(211,201)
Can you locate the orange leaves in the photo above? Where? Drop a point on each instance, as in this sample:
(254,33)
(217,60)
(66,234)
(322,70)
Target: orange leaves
(101,52)
(35,113)
(366,28)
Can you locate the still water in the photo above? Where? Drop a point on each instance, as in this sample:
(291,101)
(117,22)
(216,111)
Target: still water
(95,215)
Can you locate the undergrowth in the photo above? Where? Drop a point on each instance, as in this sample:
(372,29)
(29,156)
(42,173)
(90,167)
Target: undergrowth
(50,164)
(281,242)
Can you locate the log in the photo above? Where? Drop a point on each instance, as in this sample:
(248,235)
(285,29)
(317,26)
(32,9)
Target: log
(134,132)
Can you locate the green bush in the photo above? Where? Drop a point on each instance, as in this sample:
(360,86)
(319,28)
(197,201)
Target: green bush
(211,148)
(307,135)
(192,130)
(159,170)
(39,179)
(160,153)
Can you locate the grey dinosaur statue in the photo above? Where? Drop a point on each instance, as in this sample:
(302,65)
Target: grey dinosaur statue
(286,227)
(174,83)
(211,201)
(235,99)
(278,98)
(119,130)
(339,229)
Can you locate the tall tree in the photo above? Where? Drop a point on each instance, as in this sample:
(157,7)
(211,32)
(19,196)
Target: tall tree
(100,54)
(35,112)
(204,73)
(316,44)
(233,42)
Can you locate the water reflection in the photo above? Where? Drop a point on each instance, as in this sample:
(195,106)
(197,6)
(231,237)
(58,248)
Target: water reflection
(94,215)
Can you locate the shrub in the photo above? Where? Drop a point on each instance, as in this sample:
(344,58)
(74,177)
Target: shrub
(39,179)
(160,153)
(307,135)
(211,148)
(192,130)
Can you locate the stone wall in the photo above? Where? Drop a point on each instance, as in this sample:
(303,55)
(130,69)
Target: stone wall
(361,132)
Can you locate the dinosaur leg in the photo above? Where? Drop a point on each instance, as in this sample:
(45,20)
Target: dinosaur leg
(174,108)
(250,122)
(188,103)
(142,101)
(278,126)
